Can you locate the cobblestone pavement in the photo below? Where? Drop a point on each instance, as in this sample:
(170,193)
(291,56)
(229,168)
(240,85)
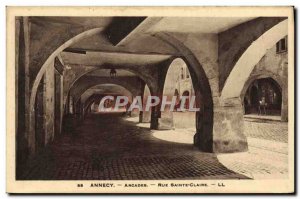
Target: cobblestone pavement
(267,157)
(106,147)
(268,130)
(257,163)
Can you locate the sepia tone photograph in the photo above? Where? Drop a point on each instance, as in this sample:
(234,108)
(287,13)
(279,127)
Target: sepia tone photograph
(150,100)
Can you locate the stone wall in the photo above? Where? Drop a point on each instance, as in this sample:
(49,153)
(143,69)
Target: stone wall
(274,65)
(234,41)
(184,120)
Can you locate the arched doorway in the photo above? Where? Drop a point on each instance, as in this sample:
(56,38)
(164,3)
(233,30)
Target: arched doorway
(178,89)
(265,97)
(91,98)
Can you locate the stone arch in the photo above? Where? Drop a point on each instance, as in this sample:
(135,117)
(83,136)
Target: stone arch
(124,92)
(175,81)
(36,82)
(138,73)
(199,78)
(203,138)
(279,84)
(244,66)
(260,76)
(41,71)
(85,83)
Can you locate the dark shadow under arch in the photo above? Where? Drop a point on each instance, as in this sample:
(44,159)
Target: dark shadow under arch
(252,94)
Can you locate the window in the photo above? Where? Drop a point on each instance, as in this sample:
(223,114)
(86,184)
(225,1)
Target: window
(281,46)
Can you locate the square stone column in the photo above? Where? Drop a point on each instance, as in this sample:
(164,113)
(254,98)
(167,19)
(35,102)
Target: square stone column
(145,117)
(203,139)
(284,107)
(155,115)
(228,129)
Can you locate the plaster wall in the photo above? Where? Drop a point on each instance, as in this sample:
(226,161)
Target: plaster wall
(274,65)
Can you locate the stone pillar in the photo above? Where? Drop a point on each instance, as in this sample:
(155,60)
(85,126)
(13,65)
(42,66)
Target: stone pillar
(284,106)
(228,128)
(26,86)
(58,102)
(155,114)
(39,117)
(77,109)
(21,89)
(49,106)
(145,116)
(161,120)
(203,138)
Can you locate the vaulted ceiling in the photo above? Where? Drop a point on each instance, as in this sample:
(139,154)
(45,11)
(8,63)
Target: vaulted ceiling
(131,40)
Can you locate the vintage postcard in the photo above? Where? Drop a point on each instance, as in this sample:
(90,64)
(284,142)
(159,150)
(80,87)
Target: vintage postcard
(150,100)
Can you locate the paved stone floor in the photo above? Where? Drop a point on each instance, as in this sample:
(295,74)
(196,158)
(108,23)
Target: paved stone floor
(268,130)
(267,157)
(107,147)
